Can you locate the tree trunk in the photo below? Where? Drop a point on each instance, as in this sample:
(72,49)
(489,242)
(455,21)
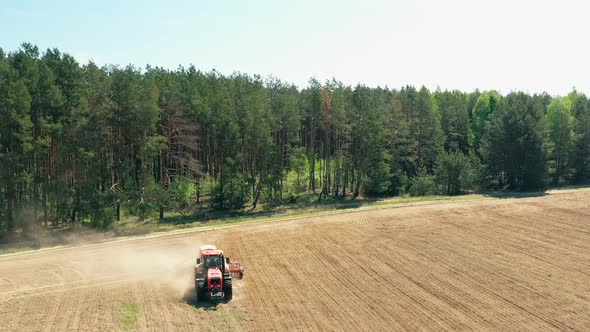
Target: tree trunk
(257,194)
(45,221)
(358,185)
(118,210)
(198,191)
(344,182)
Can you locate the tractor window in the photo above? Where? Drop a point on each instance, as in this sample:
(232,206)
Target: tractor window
(214,261)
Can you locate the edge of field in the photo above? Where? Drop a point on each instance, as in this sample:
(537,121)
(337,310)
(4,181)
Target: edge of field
(158,230)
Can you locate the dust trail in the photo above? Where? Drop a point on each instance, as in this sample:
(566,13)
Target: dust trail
(171,265)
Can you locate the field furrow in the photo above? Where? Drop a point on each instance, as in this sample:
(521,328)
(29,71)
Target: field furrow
(494,264)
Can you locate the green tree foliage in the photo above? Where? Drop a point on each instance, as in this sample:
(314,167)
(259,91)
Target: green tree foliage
(452,107)
(427,131)
(423,184)
(512,147)
(560,124)
(399,140)
(369,156)
(299,164)
(90,145)
(580,161)
(414,132)
(456,172)
(484,107)
(378,173)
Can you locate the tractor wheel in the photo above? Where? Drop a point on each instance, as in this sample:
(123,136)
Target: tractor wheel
(228,293)
(199,294)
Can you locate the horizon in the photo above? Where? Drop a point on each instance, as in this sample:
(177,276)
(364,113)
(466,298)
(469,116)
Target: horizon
(532,46)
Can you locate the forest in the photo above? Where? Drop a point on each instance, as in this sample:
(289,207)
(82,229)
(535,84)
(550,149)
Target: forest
(82,144)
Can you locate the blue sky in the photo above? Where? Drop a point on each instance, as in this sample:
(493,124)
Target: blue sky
(506,45)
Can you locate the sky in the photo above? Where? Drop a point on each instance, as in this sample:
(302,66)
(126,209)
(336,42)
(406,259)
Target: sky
(506,45)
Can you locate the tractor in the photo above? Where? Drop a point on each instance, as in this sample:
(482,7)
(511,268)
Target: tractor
(213,274)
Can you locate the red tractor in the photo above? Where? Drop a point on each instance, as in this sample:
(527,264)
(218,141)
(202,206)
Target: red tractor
(213,274)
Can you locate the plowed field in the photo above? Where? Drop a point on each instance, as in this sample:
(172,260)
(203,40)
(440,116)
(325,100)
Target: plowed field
(519,264)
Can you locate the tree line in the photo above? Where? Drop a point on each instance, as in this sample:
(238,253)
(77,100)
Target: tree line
(84,144)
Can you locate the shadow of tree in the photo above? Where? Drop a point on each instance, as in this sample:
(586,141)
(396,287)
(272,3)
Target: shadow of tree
(513,194)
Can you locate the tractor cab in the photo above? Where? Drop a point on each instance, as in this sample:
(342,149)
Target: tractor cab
(211,257)
(214,261)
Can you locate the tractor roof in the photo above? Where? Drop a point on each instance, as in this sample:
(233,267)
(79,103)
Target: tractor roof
(211,252)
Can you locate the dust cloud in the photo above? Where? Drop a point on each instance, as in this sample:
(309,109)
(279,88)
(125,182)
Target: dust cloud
(170,265)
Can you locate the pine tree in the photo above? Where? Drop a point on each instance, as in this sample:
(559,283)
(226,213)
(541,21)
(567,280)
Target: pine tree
(512,147)
(581,150)
(560,125)
(452,107)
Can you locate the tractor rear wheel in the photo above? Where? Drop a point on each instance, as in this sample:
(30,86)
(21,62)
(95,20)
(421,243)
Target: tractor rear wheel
(228,294)
(199,294)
